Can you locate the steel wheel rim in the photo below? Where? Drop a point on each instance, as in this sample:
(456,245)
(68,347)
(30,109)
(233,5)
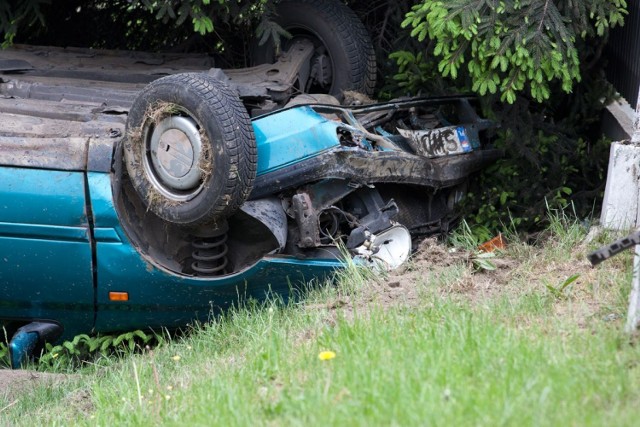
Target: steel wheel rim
(173,154)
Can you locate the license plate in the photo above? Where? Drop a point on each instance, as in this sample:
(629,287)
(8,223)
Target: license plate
(438,142)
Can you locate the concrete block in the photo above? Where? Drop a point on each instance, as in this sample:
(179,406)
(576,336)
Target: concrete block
(636,124)
(618,120)
(620,207)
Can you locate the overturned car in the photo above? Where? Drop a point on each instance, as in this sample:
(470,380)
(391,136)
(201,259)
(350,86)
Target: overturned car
(194,195)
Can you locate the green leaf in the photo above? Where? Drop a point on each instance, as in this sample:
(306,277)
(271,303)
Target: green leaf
(569,281)
(482,261)
(106,343)
(93,345)
(142,335)
(503,197)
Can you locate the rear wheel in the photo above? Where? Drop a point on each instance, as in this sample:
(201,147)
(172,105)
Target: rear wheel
(344,58)
(190,151)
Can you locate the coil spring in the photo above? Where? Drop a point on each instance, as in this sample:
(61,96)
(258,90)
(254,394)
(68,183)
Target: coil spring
(210,255)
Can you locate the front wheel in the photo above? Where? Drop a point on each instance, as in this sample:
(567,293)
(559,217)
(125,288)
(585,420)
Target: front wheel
(190,150)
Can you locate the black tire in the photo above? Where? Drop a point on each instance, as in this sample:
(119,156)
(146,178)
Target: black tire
(334,27)
(190,150)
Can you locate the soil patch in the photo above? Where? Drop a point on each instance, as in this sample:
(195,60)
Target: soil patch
(14,384)
(520,270)
(402,287)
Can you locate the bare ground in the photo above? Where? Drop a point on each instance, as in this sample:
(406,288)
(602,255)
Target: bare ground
(431,262)
(520,270)
(14,384)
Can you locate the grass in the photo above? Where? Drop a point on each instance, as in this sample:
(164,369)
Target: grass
(514,354)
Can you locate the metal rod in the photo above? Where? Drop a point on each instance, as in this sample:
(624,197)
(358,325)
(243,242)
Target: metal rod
(633,320)
(607,251)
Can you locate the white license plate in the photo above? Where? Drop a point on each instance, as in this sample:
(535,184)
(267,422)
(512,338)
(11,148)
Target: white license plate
(438,142)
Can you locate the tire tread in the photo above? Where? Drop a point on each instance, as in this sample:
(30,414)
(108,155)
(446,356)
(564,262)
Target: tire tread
(237,136)
(356,40)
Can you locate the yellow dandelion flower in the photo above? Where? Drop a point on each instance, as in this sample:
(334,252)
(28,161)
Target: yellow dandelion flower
(326,355)
(176,358)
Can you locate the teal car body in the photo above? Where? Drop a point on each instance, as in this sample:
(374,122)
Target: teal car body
(64,249)
(150,190)
(78,253)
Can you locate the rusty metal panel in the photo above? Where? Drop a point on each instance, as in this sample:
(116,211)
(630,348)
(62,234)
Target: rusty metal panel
(46,153)
(623,52)
(55,135)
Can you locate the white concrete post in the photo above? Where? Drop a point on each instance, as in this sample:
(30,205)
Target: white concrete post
(636,124)
(621,204)
(633,315)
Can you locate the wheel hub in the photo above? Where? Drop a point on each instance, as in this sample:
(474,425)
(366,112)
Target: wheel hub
(321,71)
(174,152)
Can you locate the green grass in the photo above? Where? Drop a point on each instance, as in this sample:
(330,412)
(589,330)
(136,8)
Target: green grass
(518,357)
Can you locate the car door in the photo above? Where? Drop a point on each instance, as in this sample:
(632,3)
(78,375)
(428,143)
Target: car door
(46,268)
